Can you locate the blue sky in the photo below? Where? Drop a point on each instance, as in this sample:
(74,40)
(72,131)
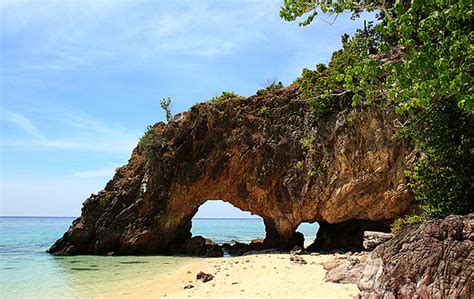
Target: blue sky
(81,80)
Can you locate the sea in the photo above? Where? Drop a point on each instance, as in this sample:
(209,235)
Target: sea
(27,271)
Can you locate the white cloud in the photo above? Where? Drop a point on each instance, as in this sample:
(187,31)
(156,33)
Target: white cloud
(22,122)
(70,131)
(92,32)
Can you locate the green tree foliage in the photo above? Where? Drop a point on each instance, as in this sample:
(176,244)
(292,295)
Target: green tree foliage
(331,88)
(293,9)
(225,95)
(165,104)
(272,85)
(443,181)
(151,142)
(418,57)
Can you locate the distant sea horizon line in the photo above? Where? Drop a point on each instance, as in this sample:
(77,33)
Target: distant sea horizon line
(200,218)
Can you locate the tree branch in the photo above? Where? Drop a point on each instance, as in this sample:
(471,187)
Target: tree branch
(381,7)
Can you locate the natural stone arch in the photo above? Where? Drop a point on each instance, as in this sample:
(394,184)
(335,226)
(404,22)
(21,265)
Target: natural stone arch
(266,154)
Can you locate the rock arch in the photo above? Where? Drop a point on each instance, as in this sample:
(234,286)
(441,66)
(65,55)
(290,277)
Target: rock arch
(266,154)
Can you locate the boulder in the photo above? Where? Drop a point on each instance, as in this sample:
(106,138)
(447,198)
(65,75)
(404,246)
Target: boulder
(195,246)
(374,239)
(215,251)
(431,260)
(237,248)
(344,273)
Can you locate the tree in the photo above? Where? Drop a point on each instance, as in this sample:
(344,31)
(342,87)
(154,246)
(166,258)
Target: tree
(293,9)
(419,58)
(166,105)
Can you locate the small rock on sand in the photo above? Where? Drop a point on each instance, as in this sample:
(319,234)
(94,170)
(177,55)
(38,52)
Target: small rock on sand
(297,260)
(297,250)
(204,277)
(189,286)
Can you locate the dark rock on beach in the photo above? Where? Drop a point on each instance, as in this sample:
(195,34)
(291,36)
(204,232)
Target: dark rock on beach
(204,277)
(297,250)
(215,251)
(296,259)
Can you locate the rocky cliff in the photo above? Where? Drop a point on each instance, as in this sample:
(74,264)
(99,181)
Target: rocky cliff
(266,154)
(432,260)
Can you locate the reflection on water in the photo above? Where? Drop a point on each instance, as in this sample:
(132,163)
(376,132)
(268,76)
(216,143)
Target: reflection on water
(88,276)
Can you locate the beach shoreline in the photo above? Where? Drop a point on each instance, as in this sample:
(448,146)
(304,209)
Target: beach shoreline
(250,276)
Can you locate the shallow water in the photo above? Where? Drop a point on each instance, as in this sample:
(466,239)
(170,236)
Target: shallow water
(26,271)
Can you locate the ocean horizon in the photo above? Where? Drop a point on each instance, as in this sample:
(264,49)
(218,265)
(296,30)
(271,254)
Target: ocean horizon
(27,271)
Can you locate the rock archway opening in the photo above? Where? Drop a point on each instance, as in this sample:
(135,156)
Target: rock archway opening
(224,223)
(221,228)
(309,231)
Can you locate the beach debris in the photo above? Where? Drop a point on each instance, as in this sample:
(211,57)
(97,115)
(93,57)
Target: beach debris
(296,259)
(204,277)
(189,286)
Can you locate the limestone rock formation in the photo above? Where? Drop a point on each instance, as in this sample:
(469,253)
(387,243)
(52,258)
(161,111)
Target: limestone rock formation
(374,239)
(432,260)
(266,154)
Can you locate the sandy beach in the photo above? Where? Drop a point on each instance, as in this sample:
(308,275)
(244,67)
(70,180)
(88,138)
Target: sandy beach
(251,276)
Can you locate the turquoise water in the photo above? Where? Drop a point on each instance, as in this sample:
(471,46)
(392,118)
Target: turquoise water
(242,230)
(26,271)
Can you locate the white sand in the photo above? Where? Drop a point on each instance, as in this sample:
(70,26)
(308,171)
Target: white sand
(253,276)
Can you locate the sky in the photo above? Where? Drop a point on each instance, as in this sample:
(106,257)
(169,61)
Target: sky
(81,80)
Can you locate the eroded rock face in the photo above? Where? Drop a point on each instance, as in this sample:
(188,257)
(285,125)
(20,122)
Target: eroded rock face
(432,260)
(266,154)
(374,239)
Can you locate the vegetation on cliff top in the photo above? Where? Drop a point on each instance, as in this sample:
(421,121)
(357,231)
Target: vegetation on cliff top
(225,95)
(418,57)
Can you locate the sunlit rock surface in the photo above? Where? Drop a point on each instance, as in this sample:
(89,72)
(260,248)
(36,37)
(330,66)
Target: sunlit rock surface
(266,154)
